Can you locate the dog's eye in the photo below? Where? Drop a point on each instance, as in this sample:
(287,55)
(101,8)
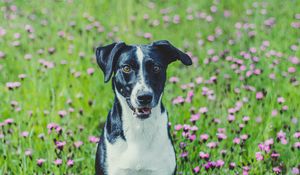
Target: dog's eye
(126,69)
(156,69)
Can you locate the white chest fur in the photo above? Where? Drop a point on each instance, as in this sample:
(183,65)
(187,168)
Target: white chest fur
(147,149)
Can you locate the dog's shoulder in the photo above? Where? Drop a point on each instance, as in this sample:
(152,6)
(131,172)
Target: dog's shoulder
(113,127)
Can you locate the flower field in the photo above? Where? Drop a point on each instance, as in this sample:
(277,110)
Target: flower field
(236,110)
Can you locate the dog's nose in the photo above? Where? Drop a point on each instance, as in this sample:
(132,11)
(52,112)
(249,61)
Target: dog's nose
(144,98)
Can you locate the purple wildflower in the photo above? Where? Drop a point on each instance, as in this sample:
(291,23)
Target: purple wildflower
(212,145)
(174,80)
(25,134)
(297,135)
(93,139)
(196,169)
(178,100)
(277,170)
(90,71)
(232,165)
(204,137)
(28,152)
(60,144)
(78,144)
(62,113)
(203,155)
(40,162)
(219,163)
(259,156)
(70,163)
(195,117)
(237,140)
(57,162)
(295,170)
(259,95)
(178,127)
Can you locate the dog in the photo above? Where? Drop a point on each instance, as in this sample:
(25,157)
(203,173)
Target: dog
(136,139)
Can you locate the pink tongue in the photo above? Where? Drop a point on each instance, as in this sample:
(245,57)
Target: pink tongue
(146,110)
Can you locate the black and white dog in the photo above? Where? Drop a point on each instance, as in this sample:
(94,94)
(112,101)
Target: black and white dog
(136,138)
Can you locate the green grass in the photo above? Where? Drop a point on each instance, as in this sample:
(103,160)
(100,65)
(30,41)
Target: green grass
(49,89)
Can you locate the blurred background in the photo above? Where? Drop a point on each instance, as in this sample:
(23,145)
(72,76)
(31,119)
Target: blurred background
(236,110)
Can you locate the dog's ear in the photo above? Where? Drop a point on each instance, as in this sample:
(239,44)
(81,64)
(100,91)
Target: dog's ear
(107,57)
(172,52)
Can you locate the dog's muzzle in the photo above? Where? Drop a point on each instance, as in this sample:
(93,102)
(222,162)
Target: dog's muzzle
(143,111)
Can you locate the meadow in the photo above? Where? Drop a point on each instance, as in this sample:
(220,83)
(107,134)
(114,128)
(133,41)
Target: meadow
(236,110)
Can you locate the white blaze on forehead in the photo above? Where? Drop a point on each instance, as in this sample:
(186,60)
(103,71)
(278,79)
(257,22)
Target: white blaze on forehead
(141,84)
(140,57)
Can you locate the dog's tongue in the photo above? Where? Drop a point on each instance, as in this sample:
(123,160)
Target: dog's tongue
(145,111)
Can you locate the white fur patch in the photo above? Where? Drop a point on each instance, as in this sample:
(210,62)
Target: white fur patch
(147,149)
(140,57)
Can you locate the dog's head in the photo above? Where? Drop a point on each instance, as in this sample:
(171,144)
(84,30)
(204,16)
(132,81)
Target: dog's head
(139,71)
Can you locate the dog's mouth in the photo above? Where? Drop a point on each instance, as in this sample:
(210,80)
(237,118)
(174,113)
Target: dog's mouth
(140,112)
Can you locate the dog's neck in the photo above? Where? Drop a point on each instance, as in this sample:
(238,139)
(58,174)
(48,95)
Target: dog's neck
(134,128)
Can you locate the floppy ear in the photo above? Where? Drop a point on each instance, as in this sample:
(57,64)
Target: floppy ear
(172,52)
(107,57)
